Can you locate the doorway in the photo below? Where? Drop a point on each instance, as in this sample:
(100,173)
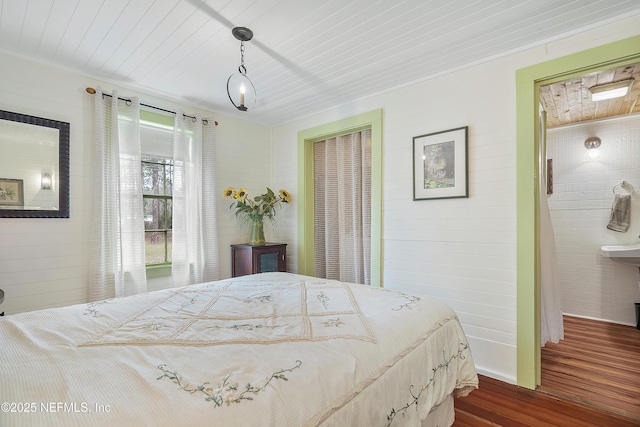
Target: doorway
(306,138)
(597,293)
(528,81)
(342,207)
(592,151)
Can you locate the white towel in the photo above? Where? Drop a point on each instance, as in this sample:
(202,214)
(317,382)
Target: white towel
(620,213)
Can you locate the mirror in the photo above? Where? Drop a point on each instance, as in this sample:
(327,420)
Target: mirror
(34,167)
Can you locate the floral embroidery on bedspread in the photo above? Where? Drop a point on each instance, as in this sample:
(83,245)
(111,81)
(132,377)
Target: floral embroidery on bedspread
(324,299)
(415,393)
(409,300)
(92,308)
(226,392)
(153,326)
(259,299)
(247,326)
(334,323)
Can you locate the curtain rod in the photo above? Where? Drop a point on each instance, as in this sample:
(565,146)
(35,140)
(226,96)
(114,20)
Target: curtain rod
(92,91)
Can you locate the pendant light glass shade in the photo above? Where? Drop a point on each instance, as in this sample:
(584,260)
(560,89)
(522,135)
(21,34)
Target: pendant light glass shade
(240,89)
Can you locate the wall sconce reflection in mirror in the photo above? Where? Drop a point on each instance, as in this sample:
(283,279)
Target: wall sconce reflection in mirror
(34,156)
(45,181)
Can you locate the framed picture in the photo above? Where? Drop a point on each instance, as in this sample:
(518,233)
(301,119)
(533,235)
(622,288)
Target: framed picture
(440,165)
(11,192)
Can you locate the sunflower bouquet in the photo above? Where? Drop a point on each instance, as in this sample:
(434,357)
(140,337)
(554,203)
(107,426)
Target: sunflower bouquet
(254,210)
(258,207)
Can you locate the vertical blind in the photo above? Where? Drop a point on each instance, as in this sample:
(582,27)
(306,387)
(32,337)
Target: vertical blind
(342,213)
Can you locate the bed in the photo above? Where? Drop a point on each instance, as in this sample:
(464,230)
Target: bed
(272,349)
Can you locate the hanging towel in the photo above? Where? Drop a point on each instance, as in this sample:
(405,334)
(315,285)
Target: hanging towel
(620,213)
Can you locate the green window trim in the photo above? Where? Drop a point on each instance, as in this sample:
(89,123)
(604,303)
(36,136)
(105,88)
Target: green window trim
(159,270)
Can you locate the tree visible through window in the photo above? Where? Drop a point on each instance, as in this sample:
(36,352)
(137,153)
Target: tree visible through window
(157,190)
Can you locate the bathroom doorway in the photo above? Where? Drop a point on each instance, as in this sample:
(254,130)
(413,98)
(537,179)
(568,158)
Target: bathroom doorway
(528,82)
(591,153)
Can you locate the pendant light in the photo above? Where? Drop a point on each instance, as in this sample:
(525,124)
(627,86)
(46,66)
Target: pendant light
(241,91)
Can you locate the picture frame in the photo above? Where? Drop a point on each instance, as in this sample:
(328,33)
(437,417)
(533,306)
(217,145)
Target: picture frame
(440,165)
(11,192)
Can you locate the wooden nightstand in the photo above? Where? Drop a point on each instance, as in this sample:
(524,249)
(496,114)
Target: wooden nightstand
(247,259)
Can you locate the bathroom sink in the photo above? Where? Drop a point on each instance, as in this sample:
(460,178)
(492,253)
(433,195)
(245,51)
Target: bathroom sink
(626,254)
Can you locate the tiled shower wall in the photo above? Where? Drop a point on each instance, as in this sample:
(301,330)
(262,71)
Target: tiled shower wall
(591,285)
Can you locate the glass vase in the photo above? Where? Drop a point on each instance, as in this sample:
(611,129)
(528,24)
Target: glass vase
(257,233)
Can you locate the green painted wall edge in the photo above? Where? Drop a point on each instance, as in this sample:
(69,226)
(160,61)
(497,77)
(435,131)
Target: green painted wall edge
(528,82)
(161,119)
(306,138)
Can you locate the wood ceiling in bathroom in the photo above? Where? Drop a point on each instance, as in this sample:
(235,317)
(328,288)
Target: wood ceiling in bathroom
(569,101)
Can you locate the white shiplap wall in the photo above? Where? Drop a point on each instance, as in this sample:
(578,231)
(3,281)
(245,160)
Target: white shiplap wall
(243,162)
(462,251)
(593,286)
(44,262)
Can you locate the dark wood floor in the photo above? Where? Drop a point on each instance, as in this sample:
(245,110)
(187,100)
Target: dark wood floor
(597,363)
(589,379)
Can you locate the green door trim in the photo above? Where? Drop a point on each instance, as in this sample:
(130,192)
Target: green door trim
(528,82)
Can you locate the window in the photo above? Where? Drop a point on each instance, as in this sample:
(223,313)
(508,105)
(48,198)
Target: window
(157,190)
(156,141)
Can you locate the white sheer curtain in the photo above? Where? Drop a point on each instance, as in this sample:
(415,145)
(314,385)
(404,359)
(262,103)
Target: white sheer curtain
(551,322)
(195,243)
(117,256)
(342,198)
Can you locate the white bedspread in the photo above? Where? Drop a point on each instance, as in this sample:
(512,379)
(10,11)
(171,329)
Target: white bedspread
(274,349)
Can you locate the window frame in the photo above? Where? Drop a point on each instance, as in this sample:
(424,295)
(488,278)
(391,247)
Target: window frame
(145,160)
(161,122)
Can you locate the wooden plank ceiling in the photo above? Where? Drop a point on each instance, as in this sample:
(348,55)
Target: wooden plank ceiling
(306,56)
(569,101)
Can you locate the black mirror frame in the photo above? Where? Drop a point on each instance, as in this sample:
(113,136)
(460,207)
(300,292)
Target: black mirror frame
(63,165)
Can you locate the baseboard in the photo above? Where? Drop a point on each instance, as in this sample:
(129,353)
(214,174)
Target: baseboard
(597,319)
(496,376)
